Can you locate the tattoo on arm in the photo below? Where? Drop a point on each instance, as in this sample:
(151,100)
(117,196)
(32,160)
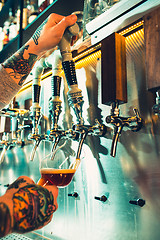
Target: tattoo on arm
(19,66)
(33,207)
(37,33)
(16,184)
(5,220)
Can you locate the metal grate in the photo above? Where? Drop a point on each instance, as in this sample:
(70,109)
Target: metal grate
(15,237)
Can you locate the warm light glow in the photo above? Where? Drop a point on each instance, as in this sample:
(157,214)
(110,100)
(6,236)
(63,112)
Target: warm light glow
(87,60)
(131,28)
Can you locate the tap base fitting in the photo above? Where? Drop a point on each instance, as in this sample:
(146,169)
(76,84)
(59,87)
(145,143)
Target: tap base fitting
(37,137)
(56,132)
(114,109)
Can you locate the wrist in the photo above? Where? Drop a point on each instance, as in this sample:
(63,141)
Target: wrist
(34,49)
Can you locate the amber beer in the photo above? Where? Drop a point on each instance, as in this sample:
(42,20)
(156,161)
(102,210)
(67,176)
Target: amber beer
(58,177)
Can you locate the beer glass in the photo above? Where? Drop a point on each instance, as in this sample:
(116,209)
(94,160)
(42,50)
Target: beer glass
(58,167)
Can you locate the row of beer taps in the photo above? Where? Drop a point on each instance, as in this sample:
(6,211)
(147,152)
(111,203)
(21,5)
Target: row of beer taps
(60,59)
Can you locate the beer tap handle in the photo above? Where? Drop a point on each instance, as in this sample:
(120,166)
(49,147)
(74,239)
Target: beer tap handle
(55,102)
(55,86)
(36,87)
(67,60)
(65,49)
(56,64)
(75,98)
(65,43)
(117,132)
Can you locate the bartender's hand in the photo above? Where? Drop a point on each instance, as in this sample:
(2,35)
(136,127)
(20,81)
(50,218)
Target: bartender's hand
(45,38)
(50,32)
(26,206)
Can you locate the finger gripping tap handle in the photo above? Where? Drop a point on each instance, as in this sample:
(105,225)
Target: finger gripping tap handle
(36,93)
(55,85)
(70,72)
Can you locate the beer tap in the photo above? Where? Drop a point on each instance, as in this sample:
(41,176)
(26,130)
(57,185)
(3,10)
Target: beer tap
(55,109)
(17,119)
(75,98)
(6,142)
(156,107)
(35,110)
(84,130)
(17,116)
(20,127)
(133,123)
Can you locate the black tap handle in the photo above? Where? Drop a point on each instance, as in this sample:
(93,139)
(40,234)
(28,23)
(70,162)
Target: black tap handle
(36,93)
(70,72)
(55,85)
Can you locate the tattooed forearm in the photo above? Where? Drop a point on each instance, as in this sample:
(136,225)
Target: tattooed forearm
(32,206)
(5,220)
(20,67)
(37,33)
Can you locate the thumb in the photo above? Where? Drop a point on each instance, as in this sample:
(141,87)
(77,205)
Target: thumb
(68,21)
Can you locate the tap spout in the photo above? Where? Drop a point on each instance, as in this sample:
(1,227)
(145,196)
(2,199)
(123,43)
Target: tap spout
(36,144)
(38,139)
(57,135)
(116,135)
(83,135)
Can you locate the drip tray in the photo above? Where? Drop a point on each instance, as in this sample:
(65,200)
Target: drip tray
(16,237)
(27,236)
